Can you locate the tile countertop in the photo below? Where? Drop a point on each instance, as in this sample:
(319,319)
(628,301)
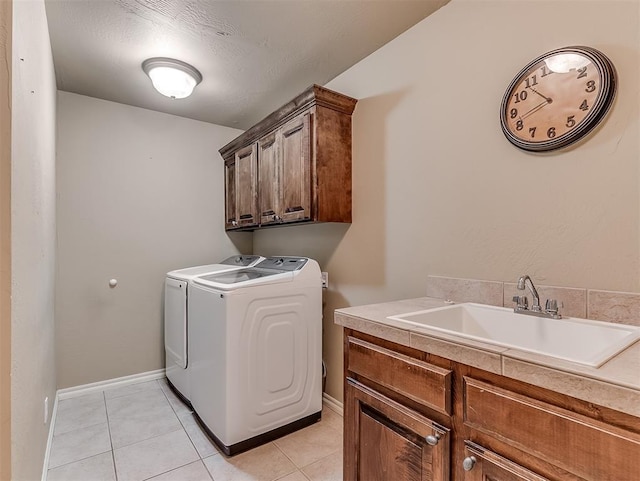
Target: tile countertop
(615,384)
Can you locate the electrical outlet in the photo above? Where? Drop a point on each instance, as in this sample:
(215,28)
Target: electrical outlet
(46,410)
(325,280)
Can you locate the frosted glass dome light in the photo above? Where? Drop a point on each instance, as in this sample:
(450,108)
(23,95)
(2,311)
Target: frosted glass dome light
(172,78)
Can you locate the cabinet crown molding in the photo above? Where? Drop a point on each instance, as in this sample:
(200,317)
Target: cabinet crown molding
(314,95)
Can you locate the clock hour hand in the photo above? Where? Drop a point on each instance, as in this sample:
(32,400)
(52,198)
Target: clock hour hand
(548,99)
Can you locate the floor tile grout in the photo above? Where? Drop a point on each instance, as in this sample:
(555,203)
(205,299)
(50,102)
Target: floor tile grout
(78,460)
(113,454)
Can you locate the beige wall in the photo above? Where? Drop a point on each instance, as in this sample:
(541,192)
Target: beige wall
(5,240)
(438,190)
(140,193)
(33,222)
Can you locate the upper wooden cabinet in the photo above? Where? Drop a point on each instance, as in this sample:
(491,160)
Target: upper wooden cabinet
(241,205)
(302,159)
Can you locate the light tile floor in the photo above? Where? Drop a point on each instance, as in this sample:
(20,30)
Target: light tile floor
(144,432)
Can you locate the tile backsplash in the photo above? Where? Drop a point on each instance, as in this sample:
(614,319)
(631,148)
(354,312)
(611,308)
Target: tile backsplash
(465,290)
(610,306)
(622,307)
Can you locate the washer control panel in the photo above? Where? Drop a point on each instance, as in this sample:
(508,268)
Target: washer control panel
(283,263)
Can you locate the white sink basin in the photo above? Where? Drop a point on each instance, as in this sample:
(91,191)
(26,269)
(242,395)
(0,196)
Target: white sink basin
(591,343)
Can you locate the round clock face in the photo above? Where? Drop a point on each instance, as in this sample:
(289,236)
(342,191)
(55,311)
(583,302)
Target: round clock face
(558,98)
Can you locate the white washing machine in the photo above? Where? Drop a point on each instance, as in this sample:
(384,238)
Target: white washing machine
(176,314)
(256,351)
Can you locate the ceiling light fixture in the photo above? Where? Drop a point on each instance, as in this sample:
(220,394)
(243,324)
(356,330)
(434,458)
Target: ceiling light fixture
(172,78)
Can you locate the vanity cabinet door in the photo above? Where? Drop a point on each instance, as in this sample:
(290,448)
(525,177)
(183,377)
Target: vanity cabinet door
(386,441)
(483,465)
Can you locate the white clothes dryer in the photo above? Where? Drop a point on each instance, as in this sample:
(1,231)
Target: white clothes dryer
(256,351)
(176,315)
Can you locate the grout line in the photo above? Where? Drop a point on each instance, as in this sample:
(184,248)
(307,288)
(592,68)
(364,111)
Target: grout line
(113,454)
(179,467)
(184,428)
(78,460)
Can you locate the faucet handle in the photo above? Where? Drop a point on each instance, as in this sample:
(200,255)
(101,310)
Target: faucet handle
(521,302)
(551,306)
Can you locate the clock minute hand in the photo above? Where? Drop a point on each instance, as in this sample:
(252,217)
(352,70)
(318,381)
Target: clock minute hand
(533,110)
(548,99)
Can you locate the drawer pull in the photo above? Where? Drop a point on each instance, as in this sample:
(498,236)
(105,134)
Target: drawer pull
(468,463)
(432,440)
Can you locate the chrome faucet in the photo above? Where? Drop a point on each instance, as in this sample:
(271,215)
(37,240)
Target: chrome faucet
(522,303)
(522,282)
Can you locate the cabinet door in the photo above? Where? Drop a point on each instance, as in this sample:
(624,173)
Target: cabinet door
(269,180)
(386,441)
(483,465)
(231,215)
(295,154)
(246,186)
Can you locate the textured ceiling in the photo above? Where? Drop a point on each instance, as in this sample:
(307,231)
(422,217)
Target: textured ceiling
(254,55)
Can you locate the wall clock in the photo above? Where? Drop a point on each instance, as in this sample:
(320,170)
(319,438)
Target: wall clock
(558,98)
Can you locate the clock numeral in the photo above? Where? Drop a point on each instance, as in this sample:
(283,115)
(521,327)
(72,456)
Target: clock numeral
(582,72)
(513,113)
(532,131)
(591,86)
(531,82)
(520,96)
(570,121)
(551,133)
(545,71)
(584,106)
(519,125)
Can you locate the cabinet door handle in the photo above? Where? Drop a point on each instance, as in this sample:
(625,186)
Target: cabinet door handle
(276,218)
(432,440)
(234,222)
(469,463)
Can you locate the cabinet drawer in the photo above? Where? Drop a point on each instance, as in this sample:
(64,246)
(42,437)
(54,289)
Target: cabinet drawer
(597,451)
(409,377)
(481,464)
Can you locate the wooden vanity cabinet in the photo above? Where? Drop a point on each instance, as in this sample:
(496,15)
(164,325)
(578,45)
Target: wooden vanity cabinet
(302,159)
(386,438)
(491,428)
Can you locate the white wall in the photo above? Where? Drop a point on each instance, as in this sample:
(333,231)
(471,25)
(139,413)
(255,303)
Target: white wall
(6,20)
(140,193)
(437,189)
(33,219)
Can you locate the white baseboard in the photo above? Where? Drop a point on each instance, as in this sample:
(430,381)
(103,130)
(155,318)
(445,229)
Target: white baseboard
(76,391)
(47,452)
(332,403)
